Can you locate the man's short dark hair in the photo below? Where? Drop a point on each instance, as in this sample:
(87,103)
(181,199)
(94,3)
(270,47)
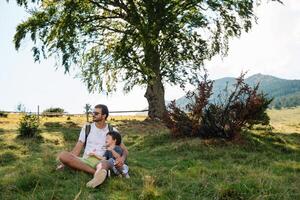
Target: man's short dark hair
(104,109)
(115,136)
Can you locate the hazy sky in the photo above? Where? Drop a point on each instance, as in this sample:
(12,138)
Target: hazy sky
(272,47)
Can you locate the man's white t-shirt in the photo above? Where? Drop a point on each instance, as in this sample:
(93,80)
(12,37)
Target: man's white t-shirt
(95,141)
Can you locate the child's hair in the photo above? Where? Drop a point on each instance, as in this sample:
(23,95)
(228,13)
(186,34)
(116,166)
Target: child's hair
(115,136)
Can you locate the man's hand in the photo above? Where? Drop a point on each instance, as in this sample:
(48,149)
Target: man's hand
(119,162)
(96,156)
(91,154)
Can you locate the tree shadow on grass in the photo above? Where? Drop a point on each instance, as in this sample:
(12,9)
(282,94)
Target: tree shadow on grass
(53,124)
(33,144)
(7,158)
(278,142)
(138,127)
(2,131)
(70,130)
(69,134)
(134,122)
(68,124)
(257,148)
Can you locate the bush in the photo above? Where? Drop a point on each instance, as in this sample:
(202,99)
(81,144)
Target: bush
(237,109)
(53,112)
(29,126)
(3,114)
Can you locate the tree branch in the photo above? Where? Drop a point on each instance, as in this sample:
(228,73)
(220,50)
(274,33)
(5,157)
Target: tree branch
(108,10)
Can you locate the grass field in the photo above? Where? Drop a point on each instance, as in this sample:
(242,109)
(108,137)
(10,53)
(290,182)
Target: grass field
(265,166)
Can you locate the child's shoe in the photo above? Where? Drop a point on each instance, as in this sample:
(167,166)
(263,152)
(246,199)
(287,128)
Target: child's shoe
(126,175)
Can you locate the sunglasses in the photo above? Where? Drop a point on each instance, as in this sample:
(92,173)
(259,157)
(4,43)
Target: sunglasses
(95,113)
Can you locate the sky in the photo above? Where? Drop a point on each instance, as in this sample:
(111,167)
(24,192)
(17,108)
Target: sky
(271,47)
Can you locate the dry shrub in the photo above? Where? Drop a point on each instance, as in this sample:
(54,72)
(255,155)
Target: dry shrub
(234,110)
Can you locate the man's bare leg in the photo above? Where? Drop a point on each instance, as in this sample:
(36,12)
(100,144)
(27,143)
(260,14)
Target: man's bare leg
(72,161)
(105,165)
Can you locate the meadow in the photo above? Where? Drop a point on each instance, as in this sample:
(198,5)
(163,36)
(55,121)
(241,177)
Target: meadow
(264,165)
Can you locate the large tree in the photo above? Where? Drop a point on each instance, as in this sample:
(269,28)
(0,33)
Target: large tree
(137,42)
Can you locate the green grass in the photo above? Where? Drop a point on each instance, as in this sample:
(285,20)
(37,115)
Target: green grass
(265,166)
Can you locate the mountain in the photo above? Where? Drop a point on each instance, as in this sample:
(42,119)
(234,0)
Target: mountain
(286,93)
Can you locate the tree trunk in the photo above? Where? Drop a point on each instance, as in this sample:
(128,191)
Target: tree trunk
(155,95)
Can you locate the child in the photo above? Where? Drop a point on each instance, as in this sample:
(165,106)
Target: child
(114,151)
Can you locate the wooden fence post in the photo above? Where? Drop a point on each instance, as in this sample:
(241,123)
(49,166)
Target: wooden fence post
(38,113)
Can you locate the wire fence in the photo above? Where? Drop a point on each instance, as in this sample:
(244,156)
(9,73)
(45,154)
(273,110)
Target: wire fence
(71,114)
(66,114)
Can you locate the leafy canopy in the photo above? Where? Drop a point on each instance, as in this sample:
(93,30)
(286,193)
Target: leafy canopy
(116,40)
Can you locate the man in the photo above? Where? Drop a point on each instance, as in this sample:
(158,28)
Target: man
(95,145)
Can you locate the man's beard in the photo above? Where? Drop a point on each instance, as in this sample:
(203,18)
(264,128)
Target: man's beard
(97,120)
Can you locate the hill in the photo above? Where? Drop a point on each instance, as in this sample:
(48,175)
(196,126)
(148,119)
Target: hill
(286,93)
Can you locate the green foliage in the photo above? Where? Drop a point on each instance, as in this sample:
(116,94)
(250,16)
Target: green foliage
(29,126)
(87,108)
(53,112)
(243,107)
(287,101)
(3,114)
(134,41)
(21,108)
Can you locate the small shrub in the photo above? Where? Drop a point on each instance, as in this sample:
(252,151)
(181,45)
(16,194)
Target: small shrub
(178,121)
(3,114)
(53,112)
(28,126)
(240,108)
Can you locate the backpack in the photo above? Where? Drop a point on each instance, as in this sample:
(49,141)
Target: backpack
(88,130)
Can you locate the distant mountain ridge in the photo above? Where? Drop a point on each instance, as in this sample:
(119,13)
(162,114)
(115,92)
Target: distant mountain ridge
(286,93)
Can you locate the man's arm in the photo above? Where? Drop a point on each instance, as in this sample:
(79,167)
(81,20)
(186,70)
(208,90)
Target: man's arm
(125,151)
(77,149)
(80,144)
(115,154)
(120,161)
